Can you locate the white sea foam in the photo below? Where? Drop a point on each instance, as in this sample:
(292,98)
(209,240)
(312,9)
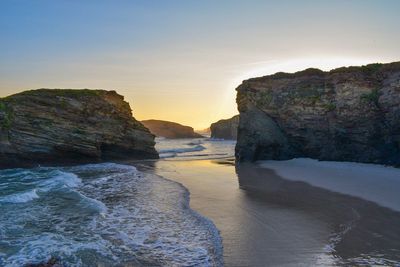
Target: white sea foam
(183,150)
(108,212)
(89,203)
(376,183)
(20,197)
(43,246)
(203,148)
(60,179)
(108,166)
(167,155)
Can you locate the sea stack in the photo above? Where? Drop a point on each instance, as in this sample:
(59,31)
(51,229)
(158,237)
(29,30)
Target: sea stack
(346,114)
(170,129)
(225,129)
(50,126)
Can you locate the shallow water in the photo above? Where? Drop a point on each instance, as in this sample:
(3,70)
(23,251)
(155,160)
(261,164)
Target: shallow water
(361,232)
(198,148)
(101,214)
(114,215)
(254,232)
(268,220)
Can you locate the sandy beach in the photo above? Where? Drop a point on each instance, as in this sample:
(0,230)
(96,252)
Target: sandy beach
(266,220)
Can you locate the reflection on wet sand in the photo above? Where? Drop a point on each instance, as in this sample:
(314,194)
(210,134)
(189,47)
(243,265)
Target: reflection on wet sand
(269,221)
(362,231)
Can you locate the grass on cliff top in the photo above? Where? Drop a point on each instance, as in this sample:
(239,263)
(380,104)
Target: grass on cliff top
(369,69)
(366,69)
(63,92)
(58,92)
(284,75)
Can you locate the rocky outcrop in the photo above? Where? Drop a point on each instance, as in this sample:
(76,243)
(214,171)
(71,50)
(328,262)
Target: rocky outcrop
(204,132)
(169,129)
(225,129)
(54,126)
(347,114)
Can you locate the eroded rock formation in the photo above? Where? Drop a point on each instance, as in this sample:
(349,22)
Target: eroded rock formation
(347,114)
(62,126)
(225,129)
(170,129)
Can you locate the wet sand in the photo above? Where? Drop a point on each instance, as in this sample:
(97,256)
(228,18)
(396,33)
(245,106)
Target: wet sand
(265,220)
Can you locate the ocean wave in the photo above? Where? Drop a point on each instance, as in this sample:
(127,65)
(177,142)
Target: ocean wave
(183,150)
(20,197)
(103,167)
(59,179)
(195,142)
(207,148)
(108,213)
(88,203)
(46,245)
(26,185)
(167,155)
(221,140)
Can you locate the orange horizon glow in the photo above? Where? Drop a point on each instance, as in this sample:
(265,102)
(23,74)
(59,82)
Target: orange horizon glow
(198,110)
(227,107)
(181,61)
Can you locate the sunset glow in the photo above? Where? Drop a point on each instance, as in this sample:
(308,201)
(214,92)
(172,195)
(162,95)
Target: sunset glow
(173,63)
(121,142)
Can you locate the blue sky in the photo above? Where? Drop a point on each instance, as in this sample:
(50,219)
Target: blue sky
(168,57)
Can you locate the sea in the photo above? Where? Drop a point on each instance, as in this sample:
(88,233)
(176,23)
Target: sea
(195,207)
(107,214)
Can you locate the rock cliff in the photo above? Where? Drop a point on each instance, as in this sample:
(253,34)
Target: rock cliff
(169,129)
(53,126)
(347,114)
(225,129)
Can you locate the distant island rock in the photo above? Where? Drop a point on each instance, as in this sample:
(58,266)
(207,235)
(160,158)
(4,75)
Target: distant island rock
(170,129)
(204,132)
(346,114)
(225,129)
(48,126)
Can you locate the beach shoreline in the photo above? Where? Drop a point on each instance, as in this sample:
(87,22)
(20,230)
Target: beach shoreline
(266,219)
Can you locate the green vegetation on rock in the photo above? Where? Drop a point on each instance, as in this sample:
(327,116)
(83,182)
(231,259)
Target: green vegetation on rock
(372,97)
(370,68)
(5,115)
(264,99)
(310,93)
(366,69)
(314,99)
(347,114)
(330,106)
(2,106)
(70,126)
(63,92)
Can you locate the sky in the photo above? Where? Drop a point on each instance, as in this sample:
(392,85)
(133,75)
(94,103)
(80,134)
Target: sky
(182,60)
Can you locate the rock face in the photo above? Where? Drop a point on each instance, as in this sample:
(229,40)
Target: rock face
(169,129)
(225,129)
(347,114)
(61,126)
